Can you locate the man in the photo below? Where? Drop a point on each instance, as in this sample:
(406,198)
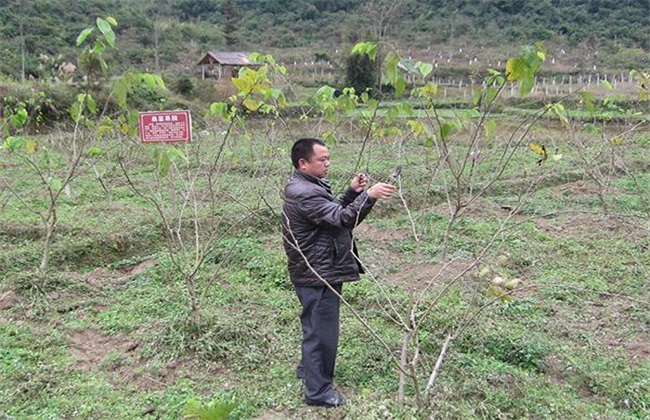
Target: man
(317,229)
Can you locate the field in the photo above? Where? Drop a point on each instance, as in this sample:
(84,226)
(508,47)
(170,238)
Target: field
(523,270)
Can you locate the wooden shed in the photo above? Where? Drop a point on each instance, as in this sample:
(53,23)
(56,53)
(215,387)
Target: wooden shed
(224,64)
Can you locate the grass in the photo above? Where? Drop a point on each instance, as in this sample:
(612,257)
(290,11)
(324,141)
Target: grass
(106,332)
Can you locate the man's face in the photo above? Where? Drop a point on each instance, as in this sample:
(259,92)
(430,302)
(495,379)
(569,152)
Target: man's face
(319,163)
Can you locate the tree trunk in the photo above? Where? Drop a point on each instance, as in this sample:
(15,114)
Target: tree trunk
(47,245)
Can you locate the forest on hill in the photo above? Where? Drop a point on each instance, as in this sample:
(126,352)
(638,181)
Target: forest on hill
(158,35)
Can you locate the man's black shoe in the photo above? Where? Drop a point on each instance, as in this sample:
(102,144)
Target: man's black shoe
(334,400)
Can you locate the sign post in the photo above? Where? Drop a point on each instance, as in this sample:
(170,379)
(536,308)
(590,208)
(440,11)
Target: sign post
(165,126)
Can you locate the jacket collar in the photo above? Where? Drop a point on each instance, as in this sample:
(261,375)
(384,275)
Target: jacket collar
(323,182)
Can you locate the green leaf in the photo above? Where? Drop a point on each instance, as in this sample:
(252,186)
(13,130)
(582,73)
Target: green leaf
(219,108)
(251,104)
(406,108)
(13,144)
(104,130)
(31,146)
(416,127)
(77,108)
(391,63)
(111,20)
(106,29)
(56,184)
(94,151)
(541,51)
(91,104)
(160,82)
(491,93)
(514,69)
(476,98)
(149,80)
(526,85)
(588,101)
(19,118)
(215,410)
(558,110)
(103,66)
(368,48)
(522,69)
(392,114)
(270,59)
(429,91)
(540,149)
(394,131)
(445,130)
(266,92)
(490,128)
(408,66)
(98,48)
(616,141)
(83,35)
(424,68)
(267,108)
(241,84)
(400,85)
(121,90)
(325,92)
(175,154)
(373,104)
(76,111)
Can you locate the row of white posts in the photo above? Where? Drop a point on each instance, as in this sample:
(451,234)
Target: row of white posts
(548,85)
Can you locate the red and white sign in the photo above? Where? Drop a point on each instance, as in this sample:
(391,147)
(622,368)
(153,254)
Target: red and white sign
(165,126)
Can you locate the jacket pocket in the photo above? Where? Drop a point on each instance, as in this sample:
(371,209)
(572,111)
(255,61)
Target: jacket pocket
(323,252)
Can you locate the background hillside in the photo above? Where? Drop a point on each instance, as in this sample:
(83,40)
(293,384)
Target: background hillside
(171,35)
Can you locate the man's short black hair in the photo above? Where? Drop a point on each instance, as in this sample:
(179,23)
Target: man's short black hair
(304,149)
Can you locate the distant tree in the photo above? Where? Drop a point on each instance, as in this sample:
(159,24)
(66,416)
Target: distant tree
(230,22)
(154,10)
(361,72)
(192,10)
(186,86)
(381,13)
(335,5)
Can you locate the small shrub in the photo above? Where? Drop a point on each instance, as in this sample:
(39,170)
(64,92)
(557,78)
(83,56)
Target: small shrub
(186,86)
(144,98)
(215,91)
(361,73)
(523,352)
(236,339)
(214,410)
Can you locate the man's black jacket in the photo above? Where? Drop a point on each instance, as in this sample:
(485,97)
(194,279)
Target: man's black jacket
(317,229)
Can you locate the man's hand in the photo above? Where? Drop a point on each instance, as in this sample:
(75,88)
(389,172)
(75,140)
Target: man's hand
(381,190)
(359,182)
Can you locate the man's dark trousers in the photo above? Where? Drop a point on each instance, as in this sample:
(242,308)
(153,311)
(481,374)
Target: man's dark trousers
(320,332)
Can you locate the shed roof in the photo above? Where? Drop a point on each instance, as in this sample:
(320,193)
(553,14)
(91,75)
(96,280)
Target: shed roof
(227,59)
